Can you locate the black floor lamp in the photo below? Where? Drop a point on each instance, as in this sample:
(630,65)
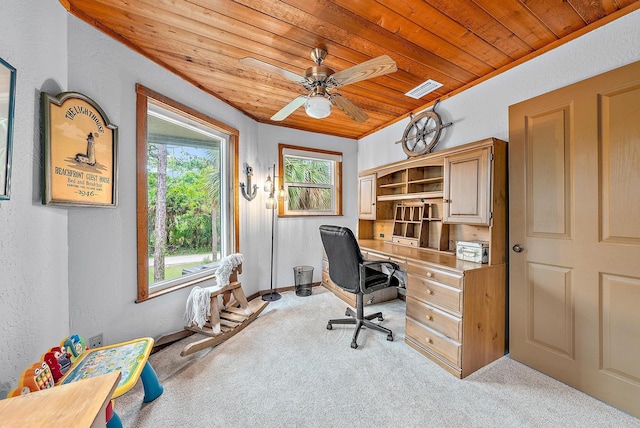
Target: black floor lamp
(272,203)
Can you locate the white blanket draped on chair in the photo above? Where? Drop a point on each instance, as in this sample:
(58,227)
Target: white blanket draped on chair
(199,301)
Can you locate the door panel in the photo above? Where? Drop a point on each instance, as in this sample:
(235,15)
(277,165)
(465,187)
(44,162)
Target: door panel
(367,197)
(574,166)
(620,345)
(549,173)
(550,308)
(620,167)
(466,182)
(466,172)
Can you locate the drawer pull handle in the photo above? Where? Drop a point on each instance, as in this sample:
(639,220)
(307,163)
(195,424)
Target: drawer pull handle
(429,318)
(428,340)
(429,291)
(429,274)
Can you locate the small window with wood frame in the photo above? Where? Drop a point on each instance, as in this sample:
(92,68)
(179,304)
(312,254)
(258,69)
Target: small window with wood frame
(187,215)
(312,181)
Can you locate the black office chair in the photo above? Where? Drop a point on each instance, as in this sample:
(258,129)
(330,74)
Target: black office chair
(349,271)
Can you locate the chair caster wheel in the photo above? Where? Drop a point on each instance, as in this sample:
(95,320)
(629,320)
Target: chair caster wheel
(329,326)
(390,337)
(354,345)
(380,318)
(346,313)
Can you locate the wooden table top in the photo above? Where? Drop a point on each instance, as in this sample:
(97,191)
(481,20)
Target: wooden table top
(77,404)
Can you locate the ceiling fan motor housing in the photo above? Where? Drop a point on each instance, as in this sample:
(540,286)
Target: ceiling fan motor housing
(318,73)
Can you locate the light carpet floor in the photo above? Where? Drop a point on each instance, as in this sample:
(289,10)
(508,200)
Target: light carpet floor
(287,370)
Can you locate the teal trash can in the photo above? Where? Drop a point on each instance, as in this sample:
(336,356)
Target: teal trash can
(303,276)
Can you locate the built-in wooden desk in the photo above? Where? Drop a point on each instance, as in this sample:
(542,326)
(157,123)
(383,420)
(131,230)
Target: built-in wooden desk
(415,212)
(78,404)
(456,310)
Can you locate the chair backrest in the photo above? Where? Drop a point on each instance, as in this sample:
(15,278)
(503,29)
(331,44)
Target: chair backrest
(343,253)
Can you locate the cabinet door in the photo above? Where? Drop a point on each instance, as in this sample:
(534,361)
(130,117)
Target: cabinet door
(367,197)
(466,187)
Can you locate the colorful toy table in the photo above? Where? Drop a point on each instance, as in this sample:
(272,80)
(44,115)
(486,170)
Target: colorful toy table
(130,358)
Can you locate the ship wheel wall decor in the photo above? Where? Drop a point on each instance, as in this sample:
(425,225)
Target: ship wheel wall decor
(422,133)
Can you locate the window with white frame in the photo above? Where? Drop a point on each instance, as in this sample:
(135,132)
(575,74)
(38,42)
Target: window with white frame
(312,180)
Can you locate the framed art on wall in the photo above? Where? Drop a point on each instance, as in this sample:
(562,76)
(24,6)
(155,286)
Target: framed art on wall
(79,152)
(7,105)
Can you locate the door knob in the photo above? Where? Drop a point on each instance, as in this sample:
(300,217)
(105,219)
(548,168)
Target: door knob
(518,248)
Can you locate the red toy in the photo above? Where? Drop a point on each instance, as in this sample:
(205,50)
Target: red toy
(59,361)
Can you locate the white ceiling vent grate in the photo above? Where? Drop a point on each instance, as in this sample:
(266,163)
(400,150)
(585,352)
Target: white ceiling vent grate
(423,89)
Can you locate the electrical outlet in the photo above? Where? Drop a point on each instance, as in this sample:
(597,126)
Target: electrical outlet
(95,341)
(382,235)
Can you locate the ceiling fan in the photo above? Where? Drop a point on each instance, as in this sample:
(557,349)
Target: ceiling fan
(319,80)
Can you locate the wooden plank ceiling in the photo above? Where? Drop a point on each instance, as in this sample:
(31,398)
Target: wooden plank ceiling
(458,43)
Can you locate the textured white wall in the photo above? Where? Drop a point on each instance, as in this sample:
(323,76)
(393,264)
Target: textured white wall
(34,306)
(483,111)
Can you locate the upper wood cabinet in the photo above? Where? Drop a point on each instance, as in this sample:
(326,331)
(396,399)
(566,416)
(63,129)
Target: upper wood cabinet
(467,187)
(367,197)
(432,201)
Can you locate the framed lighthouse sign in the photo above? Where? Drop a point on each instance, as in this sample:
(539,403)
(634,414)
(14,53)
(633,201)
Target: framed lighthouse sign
(79,152)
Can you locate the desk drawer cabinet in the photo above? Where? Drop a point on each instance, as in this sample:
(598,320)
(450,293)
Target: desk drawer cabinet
(452,279)
(449,325)
(435,294)
(456,318)
(434,342)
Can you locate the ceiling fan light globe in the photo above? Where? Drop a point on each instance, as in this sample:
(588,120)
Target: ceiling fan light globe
(318,106)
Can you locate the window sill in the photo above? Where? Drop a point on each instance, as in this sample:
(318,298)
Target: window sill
(180,286)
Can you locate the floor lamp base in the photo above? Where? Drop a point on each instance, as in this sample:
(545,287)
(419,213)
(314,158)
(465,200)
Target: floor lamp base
(271,296)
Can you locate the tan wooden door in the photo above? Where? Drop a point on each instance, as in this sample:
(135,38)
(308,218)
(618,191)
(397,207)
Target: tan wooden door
(574,212)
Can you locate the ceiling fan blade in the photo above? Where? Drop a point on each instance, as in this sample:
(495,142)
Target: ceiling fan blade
(272,69)
(349,108)
(289,108)
(373,68)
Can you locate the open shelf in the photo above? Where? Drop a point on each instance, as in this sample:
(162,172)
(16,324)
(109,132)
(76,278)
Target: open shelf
(414,225)
(422,182)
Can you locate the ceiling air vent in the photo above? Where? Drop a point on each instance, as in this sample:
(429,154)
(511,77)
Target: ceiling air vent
(423,89)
